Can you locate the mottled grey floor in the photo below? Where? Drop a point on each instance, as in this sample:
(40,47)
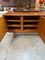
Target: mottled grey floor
(24,47)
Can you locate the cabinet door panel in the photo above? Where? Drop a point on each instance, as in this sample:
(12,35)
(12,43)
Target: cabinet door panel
(42,28)
(2,27)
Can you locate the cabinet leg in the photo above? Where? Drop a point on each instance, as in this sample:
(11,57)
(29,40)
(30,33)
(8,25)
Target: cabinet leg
(14,34)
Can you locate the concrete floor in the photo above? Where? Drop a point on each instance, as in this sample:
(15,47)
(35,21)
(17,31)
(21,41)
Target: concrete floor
(24,47)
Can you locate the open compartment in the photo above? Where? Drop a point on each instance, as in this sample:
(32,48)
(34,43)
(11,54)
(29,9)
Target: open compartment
(31,17)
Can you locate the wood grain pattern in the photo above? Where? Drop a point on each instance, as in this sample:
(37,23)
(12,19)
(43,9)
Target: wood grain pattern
(42,28)
(2,28)
(22,25)
(11,13)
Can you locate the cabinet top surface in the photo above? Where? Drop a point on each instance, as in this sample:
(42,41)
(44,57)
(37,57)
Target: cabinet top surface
(10,13)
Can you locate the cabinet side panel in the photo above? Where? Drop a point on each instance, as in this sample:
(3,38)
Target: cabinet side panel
(3,28)
(41,28)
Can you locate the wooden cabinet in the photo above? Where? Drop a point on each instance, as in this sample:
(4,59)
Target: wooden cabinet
(42,28)
(22,21)
(2,28)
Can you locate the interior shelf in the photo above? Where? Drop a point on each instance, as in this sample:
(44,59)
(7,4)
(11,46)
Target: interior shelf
(30,26)
(14,30)
(13,20)
(30,30)
(14,25)
(30,20)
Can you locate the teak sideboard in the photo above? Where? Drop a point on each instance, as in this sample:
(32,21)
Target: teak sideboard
(22,21)
(26,22)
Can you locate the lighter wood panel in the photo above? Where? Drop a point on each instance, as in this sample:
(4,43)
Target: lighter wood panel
(3,28)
